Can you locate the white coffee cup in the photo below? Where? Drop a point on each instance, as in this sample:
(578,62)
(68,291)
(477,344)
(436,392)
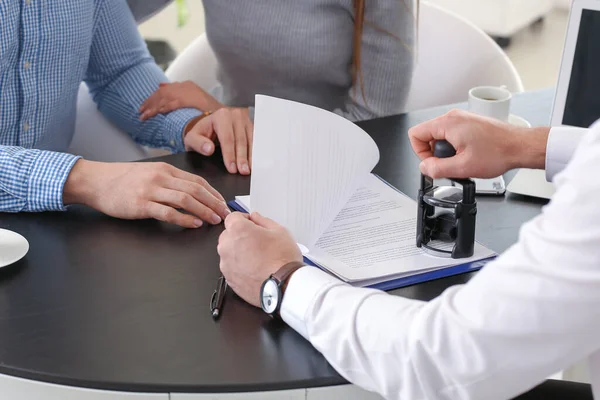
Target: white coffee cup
(490,101)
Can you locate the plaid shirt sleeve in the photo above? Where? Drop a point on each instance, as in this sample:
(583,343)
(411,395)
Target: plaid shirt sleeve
(122,74)
(33,180)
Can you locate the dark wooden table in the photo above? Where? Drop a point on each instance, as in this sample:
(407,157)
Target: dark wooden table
(123,305)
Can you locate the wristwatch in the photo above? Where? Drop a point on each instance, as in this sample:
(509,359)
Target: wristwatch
(272,290)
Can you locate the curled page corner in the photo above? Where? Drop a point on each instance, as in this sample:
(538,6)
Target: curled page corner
(307,163)
(302,248)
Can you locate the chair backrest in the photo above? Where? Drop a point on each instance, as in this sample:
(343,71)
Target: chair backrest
(95,138)
(453,56)
(196,63)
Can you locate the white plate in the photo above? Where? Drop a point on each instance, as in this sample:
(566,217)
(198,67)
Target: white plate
(13,247)
(518,121)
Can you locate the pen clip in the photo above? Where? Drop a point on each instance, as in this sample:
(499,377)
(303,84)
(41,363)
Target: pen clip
(223,283)
(213,301)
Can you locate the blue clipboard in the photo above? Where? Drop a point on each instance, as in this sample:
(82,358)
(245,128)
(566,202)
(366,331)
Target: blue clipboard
(407,280)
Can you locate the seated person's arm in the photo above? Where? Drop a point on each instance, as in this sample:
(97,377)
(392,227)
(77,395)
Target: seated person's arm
(173,96)
(527,315)
(530,313)
(388,48)
(32,180)
(487,148)
(231,127)
(122,74)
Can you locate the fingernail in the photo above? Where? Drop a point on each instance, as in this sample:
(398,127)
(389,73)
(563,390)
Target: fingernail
(198,223)
(206,148)
(245,169)
(215,219)
(226,211)
(232,168)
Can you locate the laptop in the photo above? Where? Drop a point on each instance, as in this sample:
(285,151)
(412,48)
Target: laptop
(577,98)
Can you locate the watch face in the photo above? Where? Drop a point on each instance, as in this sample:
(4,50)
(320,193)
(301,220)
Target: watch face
(269,296)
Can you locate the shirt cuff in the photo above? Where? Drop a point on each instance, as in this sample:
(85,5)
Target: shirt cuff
(304,287)
(562,142)
(47,180)
(174,124)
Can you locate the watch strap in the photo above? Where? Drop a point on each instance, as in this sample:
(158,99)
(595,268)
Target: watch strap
(282,278)
(284,272)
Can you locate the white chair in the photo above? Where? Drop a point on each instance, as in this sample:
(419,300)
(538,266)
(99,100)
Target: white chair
(453,56)
(196,63)
(501,19)
(97,139)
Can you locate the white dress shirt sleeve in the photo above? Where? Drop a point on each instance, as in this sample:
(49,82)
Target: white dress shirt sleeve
(532,312)
(562,142)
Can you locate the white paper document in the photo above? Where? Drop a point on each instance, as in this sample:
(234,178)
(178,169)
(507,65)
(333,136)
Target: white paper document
(306,163)
(311,173)
(373,237)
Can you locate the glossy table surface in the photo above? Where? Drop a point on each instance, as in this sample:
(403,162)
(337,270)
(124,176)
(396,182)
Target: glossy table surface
(123,305)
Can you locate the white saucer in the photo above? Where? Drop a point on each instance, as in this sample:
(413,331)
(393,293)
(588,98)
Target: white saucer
(518,121)
(13,247)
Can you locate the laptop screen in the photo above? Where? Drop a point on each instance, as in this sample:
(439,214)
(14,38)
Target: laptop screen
(582,106)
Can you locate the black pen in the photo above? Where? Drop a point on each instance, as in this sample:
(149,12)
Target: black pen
(216,301)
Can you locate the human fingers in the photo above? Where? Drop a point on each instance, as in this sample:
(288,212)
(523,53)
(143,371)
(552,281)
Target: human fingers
(241,141)
(223,126)
(201,194)
(185,201)
(198,138)
(168,214)
(198,179)
(250,135)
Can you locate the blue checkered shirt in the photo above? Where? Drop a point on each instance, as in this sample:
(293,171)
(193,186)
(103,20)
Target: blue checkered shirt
(47,48)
